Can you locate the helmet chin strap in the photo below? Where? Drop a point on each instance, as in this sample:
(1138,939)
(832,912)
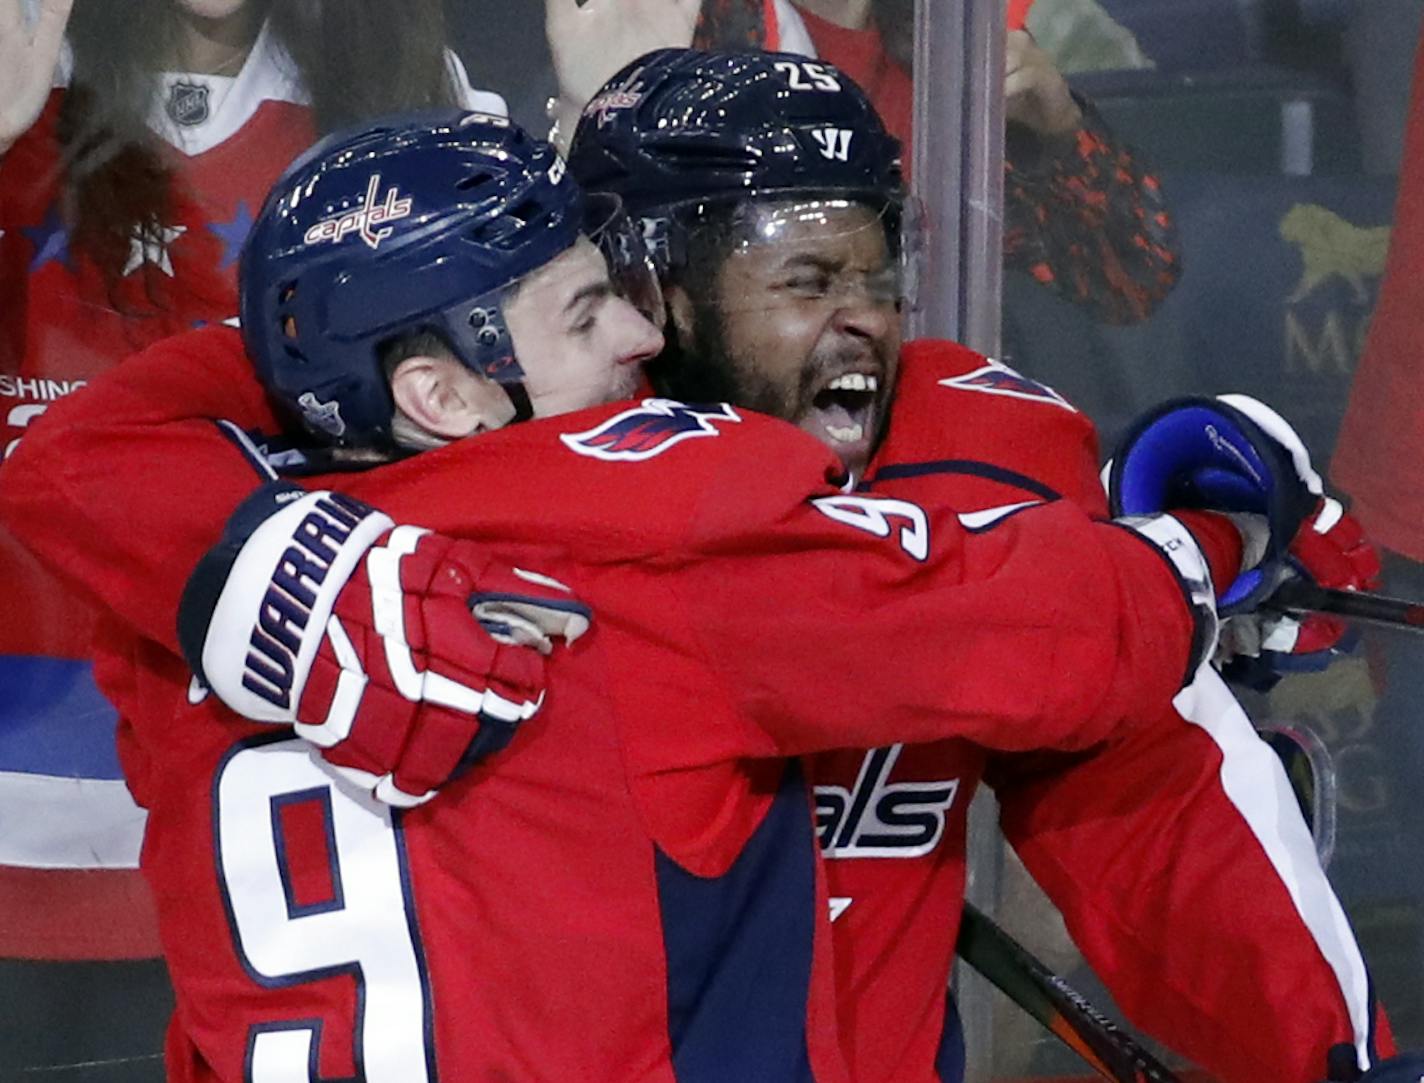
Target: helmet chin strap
(519,399)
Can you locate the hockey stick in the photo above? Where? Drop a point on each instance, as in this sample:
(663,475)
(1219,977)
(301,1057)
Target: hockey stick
(1298,596)
(1107,1048)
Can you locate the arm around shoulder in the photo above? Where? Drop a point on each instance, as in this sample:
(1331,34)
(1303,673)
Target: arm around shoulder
(121,487)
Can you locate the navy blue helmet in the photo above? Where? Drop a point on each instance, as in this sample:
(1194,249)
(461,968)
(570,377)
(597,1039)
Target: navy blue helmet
(679,130)
(412,224)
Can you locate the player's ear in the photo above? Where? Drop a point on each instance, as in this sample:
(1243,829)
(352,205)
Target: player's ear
(447,400)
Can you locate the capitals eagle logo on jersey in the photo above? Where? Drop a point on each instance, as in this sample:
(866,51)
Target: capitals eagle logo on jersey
(648,429)
(995,378)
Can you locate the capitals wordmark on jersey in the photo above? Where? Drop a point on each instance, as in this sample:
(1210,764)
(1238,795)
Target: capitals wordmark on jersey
(879,818)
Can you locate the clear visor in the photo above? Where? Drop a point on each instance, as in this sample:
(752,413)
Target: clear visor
(630,265)
(830,251)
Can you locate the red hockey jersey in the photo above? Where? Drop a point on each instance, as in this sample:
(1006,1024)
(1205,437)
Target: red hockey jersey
(627,864)
(1174,851)
(995,441)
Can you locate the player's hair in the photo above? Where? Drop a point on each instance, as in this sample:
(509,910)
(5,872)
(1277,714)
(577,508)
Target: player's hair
(422,342)
(355,59)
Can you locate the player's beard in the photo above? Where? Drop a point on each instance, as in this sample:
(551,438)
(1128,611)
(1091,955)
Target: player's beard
(708,370)
(696,371)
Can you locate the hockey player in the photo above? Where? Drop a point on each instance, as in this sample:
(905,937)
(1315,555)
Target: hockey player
(642,861)
(720,155)
(1005,698)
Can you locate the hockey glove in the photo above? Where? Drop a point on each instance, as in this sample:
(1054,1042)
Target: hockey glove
(1233,455)
(1343,1068)
(1330,550)
(402,654)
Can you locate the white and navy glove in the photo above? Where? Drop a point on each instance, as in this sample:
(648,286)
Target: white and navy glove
(405,656)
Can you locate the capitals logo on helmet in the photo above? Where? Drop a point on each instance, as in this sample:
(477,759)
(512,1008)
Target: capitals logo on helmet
(363,219)
(648,430)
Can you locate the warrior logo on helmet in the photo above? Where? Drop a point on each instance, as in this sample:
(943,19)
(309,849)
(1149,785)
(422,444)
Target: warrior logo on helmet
(363,217)
(648,430)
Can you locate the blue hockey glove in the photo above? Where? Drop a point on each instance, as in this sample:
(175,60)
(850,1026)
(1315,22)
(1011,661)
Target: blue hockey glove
(1233,455)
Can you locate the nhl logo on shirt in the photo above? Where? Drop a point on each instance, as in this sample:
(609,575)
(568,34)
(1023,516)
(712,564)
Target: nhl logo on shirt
(187,104)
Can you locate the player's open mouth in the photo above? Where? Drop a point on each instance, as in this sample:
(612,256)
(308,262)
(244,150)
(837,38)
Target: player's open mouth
(845,410)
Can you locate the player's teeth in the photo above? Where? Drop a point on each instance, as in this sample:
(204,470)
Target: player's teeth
(854,381)
(848,434)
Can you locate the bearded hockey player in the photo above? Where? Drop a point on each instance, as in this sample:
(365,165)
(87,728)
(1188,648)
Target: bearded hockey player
(751,174)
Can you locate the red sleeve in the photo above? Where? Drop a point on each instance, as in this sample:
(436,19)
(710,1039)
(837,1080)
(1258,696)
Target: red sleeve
(1048,630)
(1017,17)
(121,487)
(1221,936)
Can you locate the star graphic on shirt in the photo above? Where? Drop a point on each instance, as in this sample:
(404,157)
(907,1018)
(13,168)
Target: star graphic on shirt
(150,250)
(232,233)
(50,238)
